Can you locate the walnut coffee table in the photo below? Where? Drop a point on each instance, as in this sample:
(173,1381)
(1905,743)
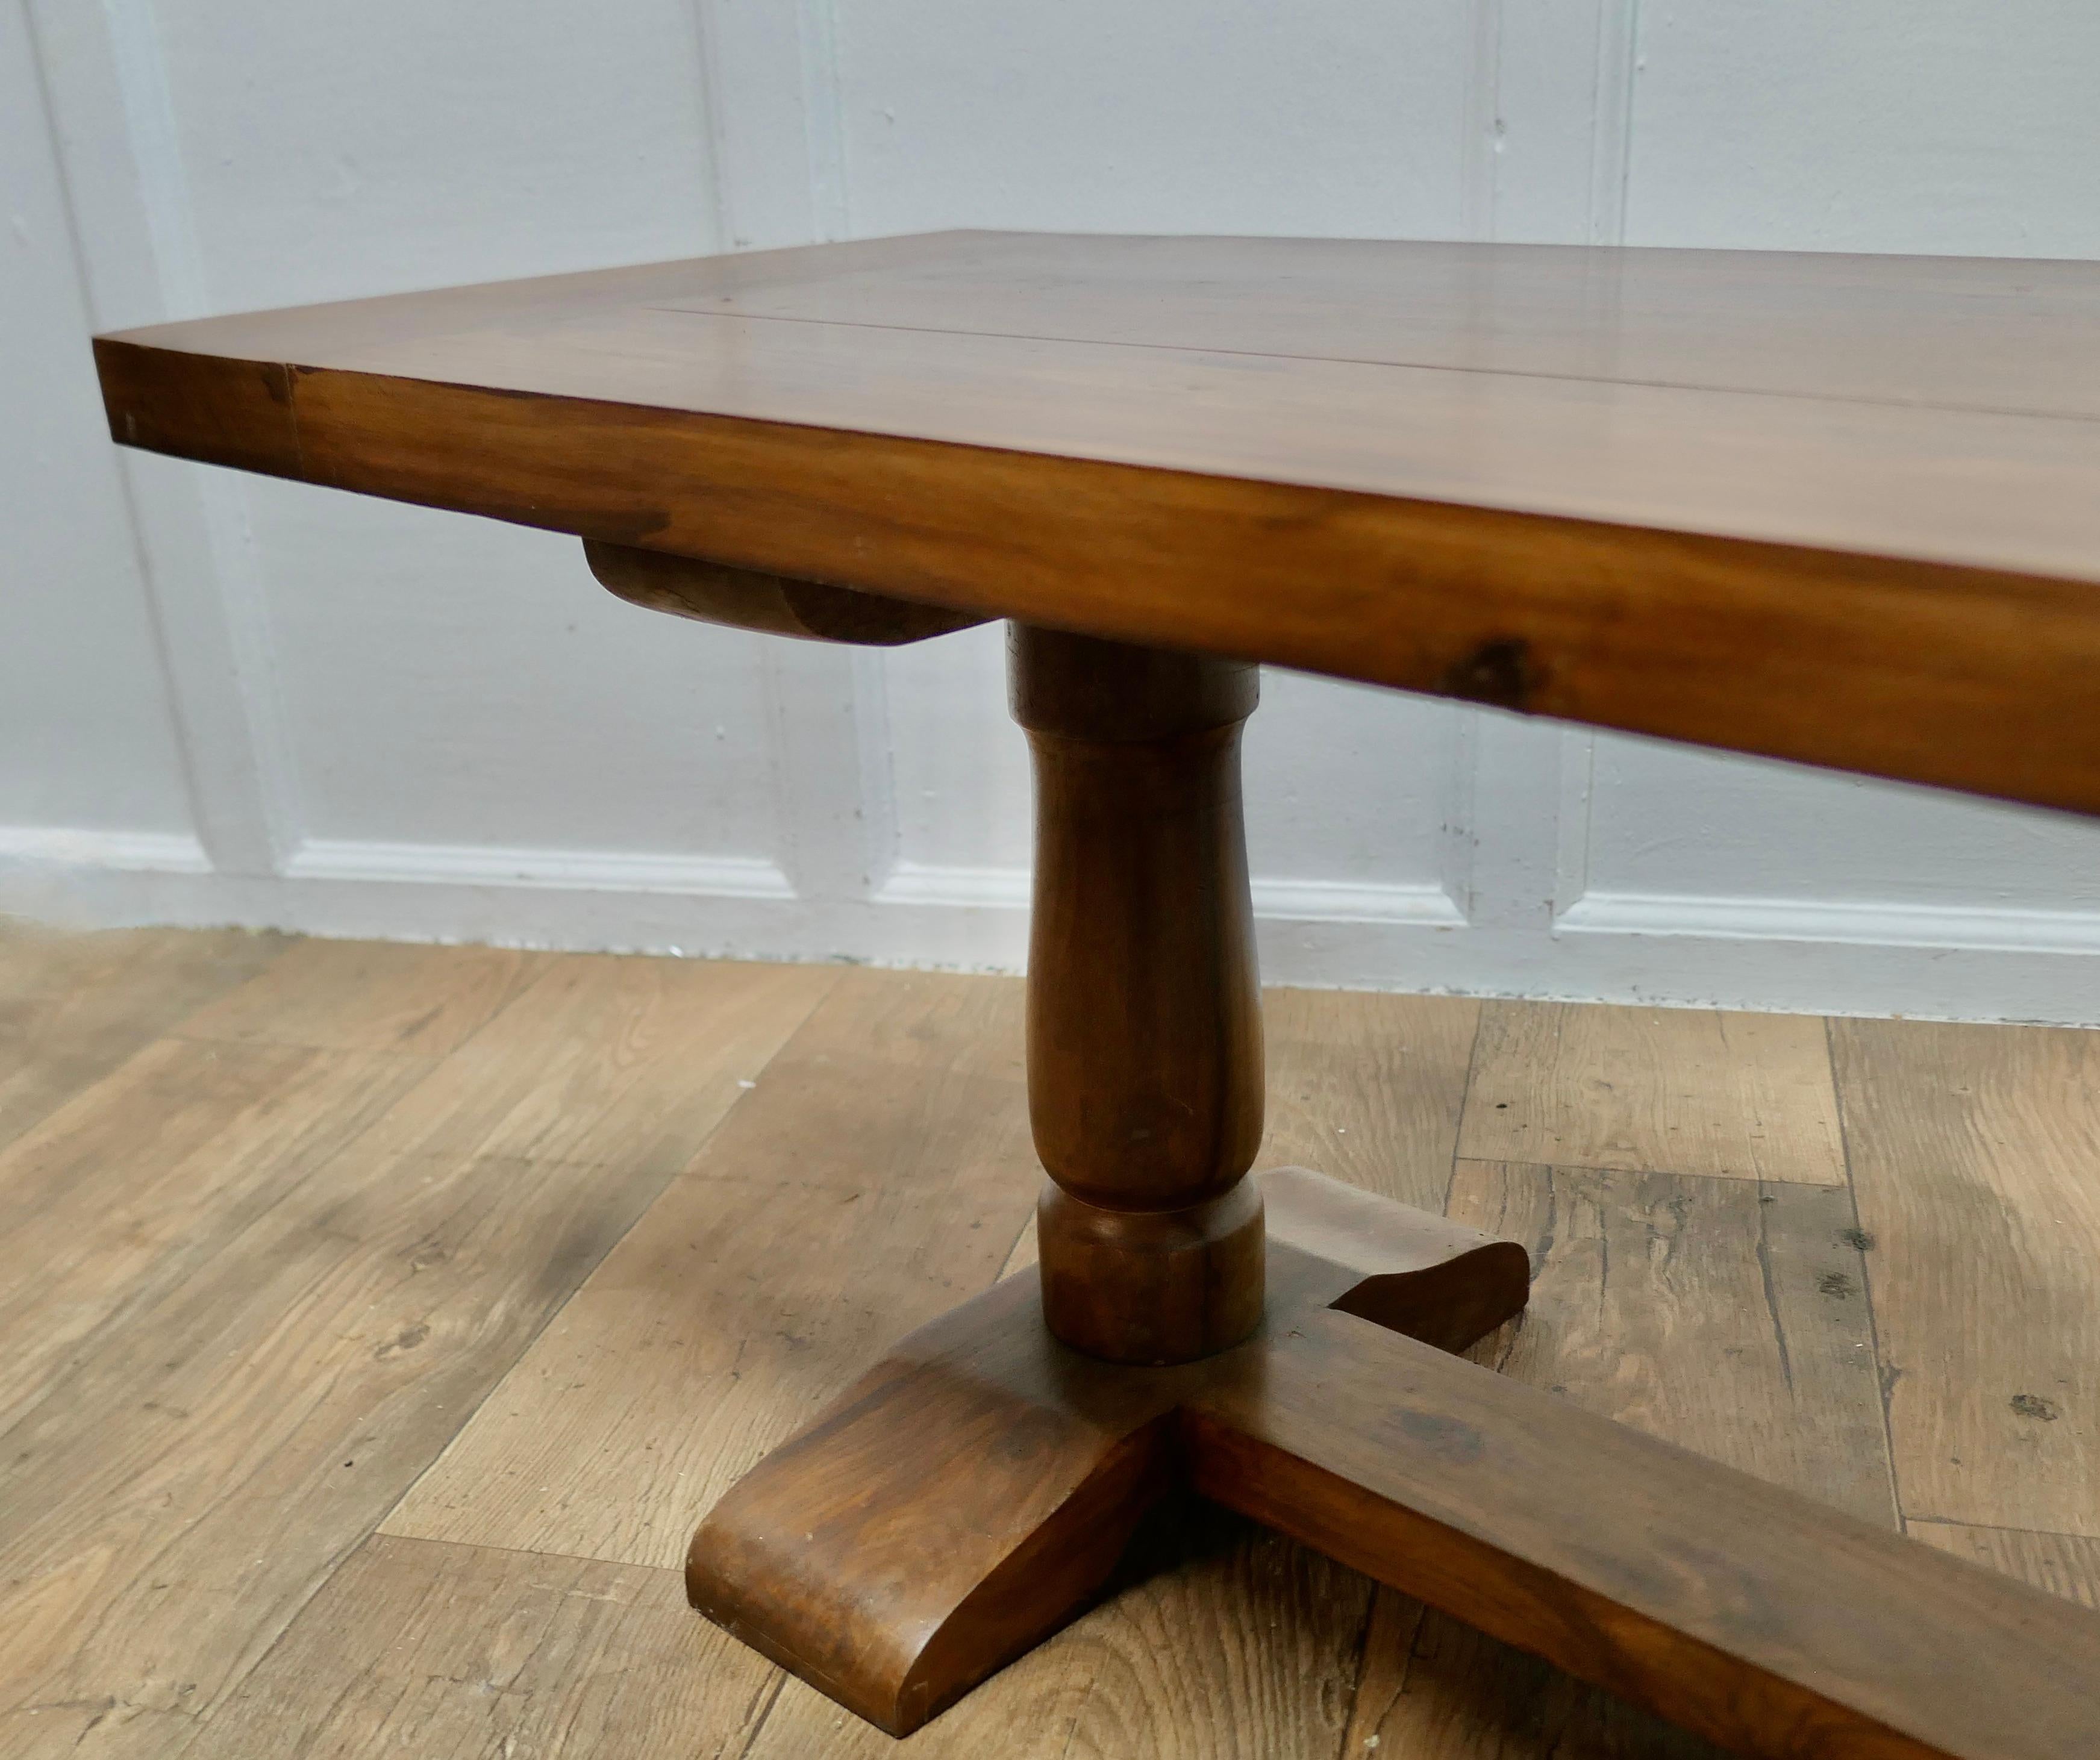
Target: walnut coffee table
(1840,510)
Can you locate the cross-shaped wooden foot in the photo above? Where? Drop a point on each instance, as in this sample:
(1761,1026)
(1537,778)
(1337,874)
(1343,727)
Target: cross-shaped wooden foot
(973,1493)
(974,1490)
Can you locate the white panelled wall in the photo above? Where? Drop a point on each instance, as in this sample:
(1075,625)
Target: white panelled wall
(225,699)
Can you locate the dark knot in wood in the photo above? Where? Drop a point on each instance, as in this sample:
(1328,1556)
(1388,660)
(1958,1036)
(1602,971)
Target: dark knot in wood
(1502,673)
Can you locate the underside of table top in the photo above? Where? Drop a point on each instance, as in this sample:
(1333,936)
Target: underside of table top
(1842,510)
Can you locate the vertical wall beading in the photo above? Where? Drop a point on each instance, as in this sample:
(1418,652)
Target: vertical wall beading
(191,528)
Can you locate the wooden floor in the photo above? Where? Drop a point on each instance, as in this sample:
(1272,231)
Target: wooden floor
(378,1319)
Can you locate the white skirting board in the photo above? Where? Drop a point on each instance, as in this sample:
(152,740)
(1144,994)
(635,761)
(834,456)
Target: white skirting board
(1848,957)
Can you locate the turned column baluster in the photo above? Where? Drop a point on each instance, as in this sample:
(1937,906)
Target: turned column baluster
(1145,1070)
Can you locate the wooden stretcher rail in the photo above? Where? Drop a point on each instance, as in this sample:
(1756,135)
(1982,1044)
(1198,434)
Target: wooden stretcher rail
(1767,1622)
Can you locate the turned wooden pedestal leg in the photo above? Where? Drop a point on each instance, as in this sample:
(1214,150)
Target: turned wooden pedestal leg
(1281,1344)
(1145,1077)
(974,1493)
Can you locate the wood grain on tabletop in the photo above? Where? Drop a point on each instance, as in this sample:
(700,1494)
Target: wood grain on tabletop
(1973,1153)
(1831,509)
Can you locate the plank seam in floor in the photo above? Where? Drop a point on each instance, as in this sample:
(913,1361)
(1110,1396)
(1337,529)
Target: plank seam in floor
(437,1063)
(1994,1527)
(555,1314)
(1673,1173)
(1084,1712)
(202,1726)
(1362,1648)
(1883,1386)
(1465,1098)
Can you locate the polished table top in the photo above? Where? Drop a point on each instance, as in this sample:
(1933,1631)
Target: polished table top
(1844,509)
